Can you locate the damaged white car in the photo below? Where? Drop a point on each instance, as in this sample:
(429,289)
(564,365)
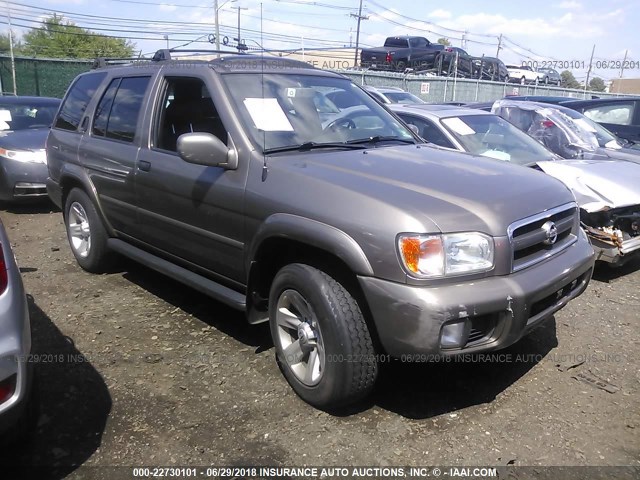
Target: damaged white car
(607,189)
(604,180)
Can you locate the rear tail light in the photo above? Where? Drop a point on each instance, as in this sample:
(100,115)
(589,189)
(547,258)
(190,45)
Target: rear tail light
(547,124)
(7,388)
(4,280)
(389,58)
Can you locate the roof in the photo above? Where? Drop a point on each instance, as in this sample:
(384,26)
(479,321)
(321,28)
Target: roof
(540,98)
(597,101)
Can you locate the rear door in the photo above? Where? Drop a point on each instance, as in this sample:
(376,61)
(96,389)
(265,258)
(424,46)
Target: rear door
(109,149)
(622,118)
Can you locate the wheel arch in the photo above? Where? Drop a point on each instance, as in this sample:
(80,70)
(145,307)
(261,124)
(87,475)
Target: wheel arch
(72,177)
(285,238)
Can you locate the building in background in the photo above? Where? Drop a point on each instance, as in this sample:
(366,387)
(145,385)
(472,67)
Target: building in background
(625,85)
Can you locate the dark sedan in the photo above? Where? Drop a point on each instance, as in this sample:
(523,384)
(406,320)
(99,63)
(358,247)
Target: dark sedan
(621,115)
(24,125)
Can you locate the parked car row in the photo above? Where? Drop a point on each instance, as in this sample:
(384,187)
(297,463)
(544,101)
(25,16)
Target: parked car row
(418,54)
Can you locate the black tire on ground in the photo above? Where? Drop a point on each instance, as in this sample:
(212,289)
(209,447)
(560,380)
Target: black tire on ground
(96,257)
(348,366)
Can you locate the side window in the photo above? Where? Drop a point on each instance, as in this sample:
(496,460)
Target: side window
(619,113)
(126,107)
(186,107)
(101,118)
(77,99)
(429,131)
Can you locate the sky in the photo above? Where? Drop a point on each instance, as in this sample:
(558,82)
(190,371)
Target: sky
(563,31)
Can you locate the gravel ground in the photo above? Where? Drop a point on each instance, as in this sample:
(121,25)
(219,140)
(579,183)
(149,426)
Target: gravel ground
(136,369)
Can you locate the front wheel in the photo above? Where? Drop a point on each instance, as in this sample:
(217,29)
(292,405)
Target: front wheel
(86,233)
(322,342)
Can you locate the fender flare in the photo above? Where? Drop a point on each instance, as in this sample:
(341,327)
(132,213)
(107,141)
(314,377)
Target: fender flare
(315,234)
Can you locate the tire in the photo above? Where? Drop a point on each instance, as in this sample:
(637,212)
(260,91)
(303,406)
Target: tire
(86,233)
(328,359)
(523,81)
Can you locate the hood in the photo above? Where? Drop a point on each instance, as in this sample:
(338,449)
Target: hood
(598,184)
(628,154)
(420,188)
(28,139)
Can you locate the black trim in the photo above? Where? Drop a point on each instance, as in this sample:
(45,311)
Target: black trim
(210,288)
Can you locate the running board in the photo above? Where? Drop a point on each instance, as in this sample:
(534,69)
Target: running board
(210,288)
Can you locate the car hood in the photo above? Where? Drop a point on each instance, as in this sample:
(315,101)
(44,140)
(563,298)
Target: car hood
(629,154)
(420,188)
(28,139)
(598,184)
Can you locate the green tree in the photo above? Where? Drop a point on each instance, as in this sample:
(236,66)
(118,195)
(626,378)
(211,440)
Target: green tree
(4,44)
(444,41)
(568,80)
(60,38)
(597,84)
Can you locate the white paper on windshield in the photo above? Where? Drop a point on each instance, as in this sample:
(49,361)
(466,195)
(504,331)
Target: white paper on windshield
(267,115)
(582,123)
(497,154)
(5,116)
(458,126)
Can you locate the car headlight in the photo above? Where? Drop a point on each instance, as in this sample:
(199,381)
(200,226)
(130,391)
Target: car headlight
(25,156)
(432,256)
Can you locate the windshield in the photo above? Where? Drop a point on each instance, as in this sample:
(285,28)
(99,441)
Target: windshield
(32,113)
(288,110)
(403,97)
(491,136)
(605,138)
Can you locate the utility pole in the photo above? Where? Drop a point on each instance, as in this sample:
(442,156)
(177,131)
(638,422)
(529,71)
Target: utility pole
(463,42)
(499,46)
(13,60)
(622,70)
(240,45)
(359,17)
(586,82)
(217,20)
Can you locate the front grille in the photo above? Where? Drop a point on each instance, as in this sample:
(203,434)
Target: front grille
(550,300)
(529,237)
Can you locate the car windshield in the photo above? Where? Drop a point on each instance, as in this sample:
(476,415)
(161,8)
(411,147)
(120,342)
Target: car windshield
(288,110)
(32,113)
(491,136)
(403,97)
(605,138)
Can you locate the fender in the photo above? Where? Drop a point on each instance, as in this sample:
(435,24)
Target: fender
(314,233)
(77,174)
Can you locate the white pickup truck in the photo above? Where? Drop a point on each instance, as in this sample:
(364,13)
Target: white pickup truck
(524,74)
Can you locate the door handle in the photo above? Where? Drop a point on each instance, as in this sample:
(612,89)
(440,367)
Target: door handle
(144,166)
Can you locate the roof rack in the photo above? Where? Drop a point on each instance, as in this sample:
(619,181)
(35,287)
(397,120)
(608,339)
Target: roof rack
(102,62)
(165,53)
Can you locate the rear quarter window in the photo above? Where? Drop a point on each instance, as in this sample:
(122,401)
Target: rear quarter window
(77,99)
(618,113)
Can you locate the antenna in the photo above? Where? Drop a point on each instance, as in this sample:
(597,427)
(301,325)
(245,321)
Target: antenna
(265,170)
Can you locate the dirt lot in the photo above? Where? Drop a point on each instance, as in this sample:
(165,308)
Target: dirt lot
(135,369)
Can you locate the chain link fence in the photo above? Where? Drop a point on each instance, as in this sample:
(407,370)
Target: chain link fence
(40,77)
(448,89)
(51,77)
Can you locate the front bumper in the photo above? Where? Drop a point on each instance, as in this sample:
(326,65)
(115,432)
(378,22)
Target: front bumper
(22,181)
(616,254)
(496,311)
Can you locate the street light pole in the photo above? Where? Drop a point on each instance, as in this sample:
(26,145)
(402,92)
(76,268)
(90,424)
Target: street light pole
(239,41)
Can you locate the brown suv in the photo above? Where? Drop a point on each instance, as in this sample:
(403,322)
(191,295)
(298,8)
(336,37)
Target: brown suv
(241,178)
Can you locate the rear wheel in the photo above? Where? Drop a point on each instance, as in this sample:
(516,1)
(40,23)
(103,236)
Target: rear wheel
(523,81)
(86,233)
(322,342)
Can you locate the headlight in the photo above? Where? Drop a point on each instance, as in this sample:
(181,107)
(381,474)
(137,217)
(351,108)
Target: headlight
(432,256)
(25,156)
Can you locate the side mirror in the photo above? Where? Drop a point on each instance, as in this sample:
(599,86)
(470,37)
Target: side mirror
(206,149)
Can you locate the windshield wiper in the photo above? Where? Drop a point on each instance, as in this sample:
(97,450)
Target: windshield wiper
(306,146)
(379,138)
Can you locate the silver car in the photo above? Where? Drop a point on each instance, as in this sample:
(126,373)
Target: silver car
(606,188)
(16,376)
